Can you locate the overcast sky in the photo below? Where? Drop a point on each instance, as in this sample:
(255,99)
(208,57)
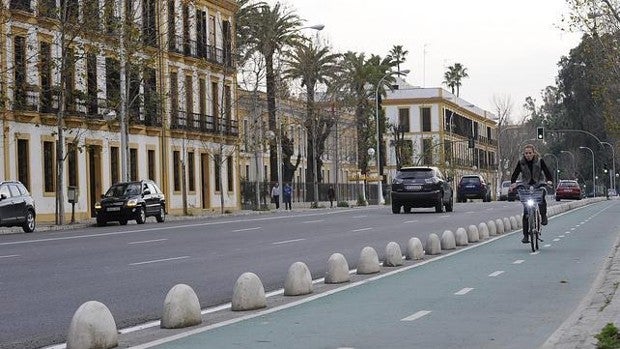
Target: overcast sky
(510,48)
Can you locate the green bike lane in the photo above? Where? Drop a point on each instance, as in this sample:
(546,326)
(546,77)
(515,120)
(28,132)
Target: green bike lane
(493,294)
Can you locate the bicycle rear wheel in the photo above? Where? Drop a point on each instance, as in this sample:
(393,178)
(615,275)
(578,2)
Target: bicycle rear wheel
(533,231)
(534,240)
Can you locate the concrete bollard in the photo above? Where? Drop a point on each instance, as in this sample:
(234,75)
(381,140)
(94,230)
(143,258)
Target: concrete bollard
(461,237)
(507,225)
(414,249)
(337,269)
(393,255)
(181,308)
(298,280)
(472,234)
(513,223)
(499,224)
(249,293)
(368,262)
(448,242)
(492,228)
(92,326)
(483,231)
(433,246)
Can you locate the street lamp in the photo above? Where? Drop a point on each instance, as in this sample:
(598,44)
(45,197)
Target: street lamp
(573,163)
(111,115)
(380,199)
(277,135)
(613,164)
(371,153)
(593,173)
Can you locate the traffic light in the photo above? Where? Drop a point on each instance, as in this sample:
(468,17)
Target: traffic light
(540,133)
(471,143)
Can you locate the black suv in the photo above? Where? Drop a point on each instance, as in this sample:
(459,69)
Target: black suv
(473,187)
(131,200)
(16,206)
(421,187)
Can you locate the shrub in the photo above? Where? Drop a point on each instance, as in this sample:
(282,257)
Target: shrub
(361,201)
(608,338)
(342,204)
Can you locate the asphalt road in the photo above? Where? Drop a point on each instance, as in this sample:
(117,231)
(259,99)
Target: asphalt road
(45,277)
(490,295)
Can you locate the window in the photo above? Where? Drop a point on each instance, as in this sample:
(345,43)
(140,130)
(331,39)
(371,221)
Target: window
(133,164)
(72,165)
(150,96)
(111,21)
(171,27)
(229,173)
(114,165)
(23,5)
(212,31)
(134,100)
(69,80)
(186,39)
(176,170)
(189,95)
(91,83)
(47,8)
(69,11)
(91,7)
(49,166)
(427,151)
(426,119)
(217,159)
(19,44)
(149,29)
(227,106)
(45,70)
(201,31)
(191,180)
(23,173)
(151,163)
(202,105)
(215,101)
(226,36)
(112,81)
(403,119)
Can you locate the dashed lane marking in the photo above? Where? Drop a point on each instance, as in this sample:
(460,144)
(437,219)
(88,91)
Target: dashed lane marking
(547,245)
(314,221)
(413,221)
(160,260)
(145,241)
(361,229)
(287,241)
(556,239)
(496,273)
(246,229)
(10,256)
(518,261)
(463,291)
(416,316)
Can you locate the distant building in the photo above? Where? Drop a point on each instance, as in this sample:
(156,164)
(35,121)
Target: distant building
(437,128)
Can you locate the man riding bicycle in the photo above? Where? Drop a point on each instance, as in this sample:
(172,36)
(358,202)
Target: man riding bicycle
(533,170)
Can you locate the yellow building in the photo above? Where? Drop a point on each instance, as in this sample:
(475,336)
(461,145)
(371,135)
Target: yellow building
(176,95)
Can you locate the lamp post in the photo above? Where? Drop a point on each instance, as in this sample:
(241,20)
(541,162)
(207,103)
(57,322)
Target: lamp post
(556,166)
(593,172)
(371,153)
(613,164)
(111,115)
(572,157)
(271,135)
(380,199)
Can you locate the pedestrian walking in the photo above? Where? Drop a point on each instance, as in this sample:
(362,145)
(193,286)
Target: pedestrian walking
(288,193)
(275,195)
(331,195)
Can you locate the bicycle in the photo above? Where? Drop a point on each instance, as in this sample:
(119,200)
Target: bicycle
(531,197)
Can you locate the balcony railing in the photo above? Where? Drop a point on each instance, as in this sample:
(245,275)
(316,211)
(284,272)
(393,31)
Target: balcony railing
(193,48)
(181,120)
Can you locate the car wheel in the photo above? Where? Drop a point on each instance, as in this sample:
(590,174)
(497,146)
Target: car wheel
(141,218)
(557,199)
(439,206)
(395,208)
(30,223)
(407,209)
(123,221)
(101,222)
(161,217)
(450,206)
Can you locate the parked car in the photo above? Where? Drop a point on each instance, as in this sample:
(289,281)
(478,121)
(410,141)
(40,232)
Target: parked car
(504,190)
(568,189)
(421,186)
(126,201)
(16,206)
(473,187)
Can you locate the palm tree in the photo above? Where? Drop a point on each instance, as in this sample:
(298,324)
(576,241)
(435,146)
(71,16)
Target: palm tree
(269,30)
(453,77)
(397,55)
(314,65)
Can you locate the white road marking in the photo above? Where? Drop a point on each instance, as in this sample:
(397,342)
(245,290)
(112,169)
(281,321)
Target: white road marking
(413,221)
(518,261)
(496,273)
(360,216)
(361,229)
(9,256)
(547,245)
(556,239)
(314,221)
(561,236)
(416,316)
(287,241)
(567,232)
(534,253)
(145,241)
(572,228)
(246,229)
(160,260)
(466,290)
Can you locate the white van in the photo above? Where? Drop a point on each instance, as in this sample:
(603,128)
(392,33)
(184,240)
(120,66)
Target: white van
(503,190)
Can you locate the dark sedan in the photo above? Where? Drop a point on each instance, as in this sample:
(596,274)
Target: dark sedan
(421,187)
(131,201)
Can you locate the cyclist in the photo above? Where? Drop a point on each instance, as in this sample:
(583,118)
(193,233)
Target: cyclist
(533,170)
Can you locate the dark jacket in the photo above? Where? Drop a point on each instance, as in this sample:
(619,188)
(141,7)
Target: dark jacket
(532,172)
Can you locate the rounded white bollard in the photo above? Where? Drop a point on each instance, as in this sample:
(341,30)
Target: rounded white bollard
(181,308)
(461,237)
(513,223)
(368,262)
(393,255)
(483,231)
(249,293)
(298,280)
(92,326)
(492,228)
(472,234)
(433,245)
(414,249)
(337,269)
(448,242)
(507,225)
(499,225)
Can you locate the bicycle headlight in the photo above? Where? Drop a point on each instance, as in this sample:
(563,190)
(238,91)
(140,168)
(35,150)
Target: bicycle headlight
(97,206)
(132,202)
(530,202)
